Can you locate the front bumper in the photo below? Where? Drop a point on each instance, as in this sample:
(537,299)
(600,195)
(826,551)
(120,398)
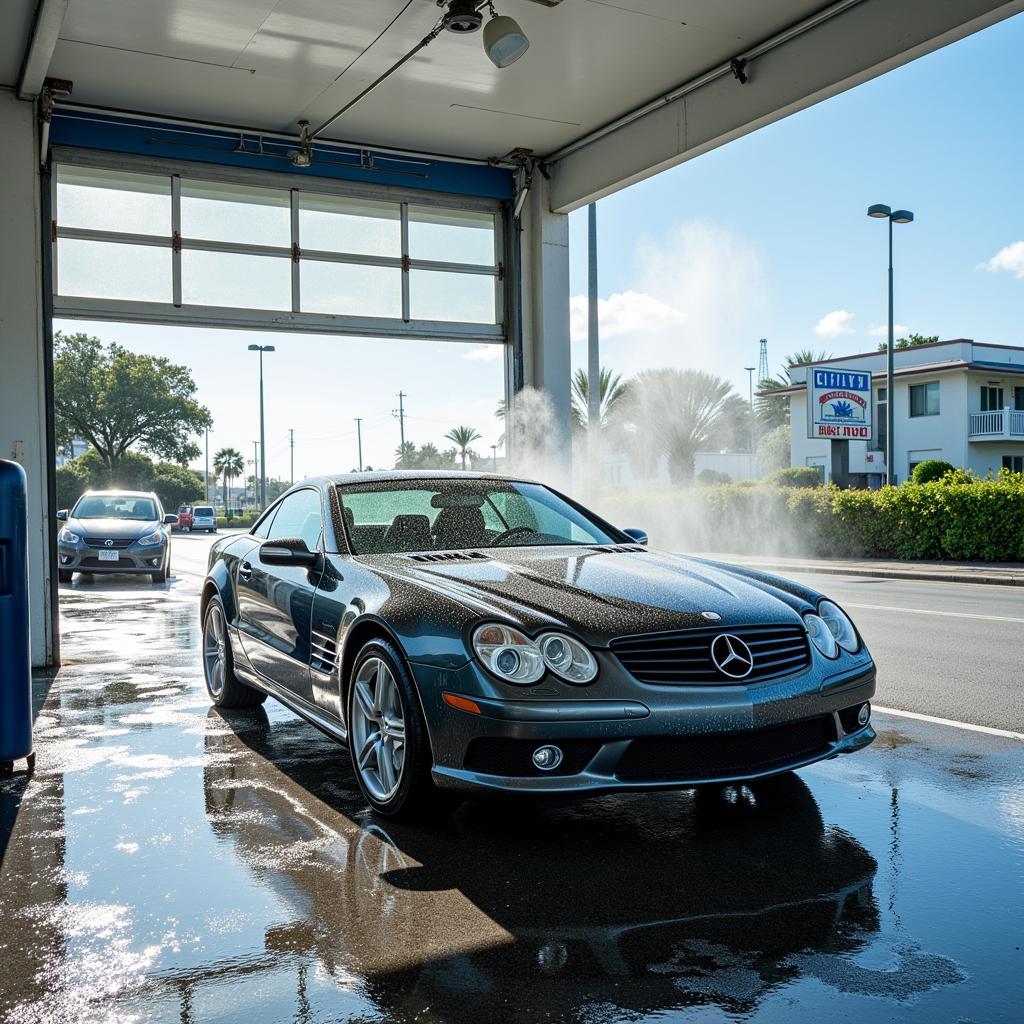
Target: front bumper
(133,559)
(687,738)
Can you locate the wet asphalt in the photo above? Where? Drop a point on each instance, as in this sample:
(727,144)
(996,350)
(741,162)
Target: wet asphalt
(168,862)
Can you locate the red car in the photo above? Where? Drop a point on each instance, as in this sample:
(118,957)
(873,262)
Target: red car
(185,518)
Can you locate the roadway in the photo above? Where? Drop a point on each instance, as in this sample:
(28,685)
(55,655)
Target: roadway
(950,650)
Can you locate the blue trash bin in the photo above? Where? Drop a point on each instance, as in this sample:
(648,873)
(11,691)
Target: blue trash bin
(15,650)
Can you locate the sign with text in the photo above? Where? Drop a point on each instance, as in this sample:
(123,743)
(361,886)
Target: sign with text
(839,404)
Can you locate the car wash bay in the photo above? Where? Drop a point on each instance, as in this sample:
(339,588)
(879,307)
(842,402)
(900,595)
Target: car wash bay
(172,110)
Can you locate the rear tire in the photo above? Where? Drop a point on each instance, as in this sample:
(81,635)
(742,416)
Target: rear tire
(226,690)
(387,737)
(64,575)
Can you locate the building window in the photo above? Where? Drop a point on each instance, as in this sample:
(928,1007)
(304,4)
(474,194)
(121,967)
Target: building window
(991,398)
(924,399)
(881,425)
(1014,463)
(1018,398)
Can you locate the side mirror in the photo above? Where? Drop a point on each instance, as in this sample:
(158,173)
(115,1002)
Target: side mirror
(640,536)
(170,519)
(288,551)
(62,515)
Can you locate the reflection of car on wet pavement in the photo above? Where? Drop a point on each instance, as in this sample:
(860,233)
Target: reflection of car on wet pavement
(438,917)
(465,633)
(115,531)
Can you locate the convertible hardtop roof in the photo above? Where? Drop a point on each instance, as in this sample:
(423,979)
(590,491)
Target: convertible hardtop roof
(341,479)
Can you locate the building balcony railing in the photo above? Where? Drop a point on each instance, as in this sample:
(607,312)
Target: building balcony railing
(996,425)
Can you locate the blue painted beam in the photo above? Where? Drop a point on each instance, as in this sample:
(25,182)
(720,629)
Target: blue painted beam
(120,134)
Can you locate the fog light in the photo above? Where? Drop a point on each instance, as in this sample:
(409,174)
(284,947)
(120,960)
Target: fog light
(864,714)
(547,758)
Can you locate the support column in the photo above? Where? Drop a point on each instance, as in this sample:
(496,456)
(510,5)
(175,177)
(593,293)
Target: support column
(547,362)
(23,400)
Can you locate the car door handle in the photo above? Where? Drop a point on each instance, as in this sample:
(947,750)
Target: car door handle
(245,571)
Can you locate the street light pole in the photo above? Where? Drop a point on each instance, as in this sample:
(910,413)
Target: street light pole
(206,473)
(593,347)
(263,434)
(750,389)
(359,440)
(880,210)
(256,446)
(494,457)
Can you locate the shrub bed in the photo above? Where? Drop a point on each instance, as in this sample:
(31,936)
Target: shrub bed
(956,517)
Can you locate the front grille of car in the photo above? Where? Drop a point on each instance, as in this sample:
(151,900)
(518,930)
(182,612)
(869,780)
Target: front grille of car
(724,755)
(684,656)
(101,542)
(499,756)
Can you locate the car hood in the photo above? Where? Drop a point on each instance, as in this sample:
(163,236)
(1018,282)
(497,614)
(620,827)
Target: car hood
(601,593)
(112,529)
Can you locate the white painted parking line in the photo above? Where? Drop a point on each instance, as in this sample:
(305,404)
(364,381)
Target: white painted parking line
(933,611)
(947,721)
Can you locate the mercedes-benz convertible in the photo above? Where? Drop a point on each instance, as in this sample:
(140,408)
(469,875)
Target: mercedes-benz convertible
(463,633)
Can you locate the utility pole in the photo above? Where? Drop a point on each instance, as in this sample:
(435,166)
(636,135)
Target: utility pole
(291,445)
(206,473)
(400,413)
(359,439)
(593,352)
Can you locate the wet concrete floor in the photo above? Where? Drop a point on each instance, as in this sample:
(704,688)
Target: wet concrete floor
(170,863)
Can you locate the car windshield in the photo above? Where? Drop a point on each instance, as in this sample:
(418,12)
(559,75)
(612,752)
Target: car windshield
(391,516)
(115,506)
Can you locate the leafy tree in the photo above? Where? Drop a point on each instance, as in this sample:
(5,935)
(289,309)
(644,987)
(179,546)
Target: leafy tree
(611,390)
(911,341)
(228,463)
(462,438)
(773,449)
(118,400)
(176,485)
(675,413)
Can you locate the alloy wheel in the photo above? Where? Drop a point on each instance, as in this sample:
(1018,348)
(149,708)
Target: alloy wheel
(215,657)
(377,732)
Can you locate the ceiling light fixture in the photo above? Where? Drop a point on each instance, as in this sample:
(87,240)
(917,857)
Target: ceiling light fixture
(504,41)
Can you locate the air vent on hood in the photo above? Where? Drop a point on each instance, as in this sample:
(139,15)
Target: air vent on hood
(605,548)
(448,556)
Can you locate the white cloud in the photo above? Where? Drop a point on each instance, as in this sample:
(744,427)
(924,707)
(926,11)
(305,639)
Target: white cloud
(485,353)
(833,324)
(1010,258)
(698,299)
(882,331)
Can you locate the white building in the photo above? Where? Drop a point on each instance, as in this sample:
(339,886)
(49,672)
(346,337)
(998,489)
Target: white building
(961,401)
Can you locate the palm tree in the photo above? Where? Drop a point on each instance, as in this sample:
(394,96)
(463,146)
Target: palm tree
(228,463)
(405,456)
(462,438)
(611,390)
(675,413)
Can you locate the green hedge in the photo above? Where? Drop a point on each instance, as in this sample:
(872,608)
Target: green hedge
(958,517)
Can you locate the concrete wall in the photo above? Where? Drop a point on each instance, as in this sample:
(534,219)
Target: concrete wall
(22,392)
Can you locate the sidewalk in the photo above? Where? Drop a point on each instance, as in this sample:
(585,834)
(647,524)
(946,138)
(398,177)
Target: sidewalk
(999,573)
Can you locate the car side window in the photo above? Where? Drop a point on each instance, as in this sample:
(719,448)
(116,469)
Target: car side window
(298,515)
(263,529)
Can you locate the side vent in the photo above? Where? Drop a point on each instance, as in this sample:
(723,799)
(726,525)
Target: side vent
(449,556)
(323,653)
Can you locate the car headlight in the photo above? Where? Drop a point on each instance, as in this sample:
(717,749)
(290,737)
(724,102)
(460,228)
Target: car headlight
(821,636)
(67,537)
(151,539)
(509,654)
(567,658)
(839,625)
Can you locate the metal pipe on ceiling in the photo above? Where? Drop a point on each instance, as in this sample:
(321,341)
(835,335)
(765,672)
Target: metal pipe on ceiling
(722,70)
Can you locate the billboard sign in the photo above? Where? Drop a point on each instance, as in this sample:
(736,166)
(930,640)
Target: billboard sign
(839,404)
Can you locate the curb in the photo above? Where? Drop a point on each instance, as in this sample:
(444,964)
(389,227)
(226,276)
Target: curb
(894,574)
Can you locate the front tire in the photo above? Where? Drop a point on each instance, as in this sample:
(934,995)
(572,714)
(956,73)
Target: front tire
(161,576)
(387,737)
(224,688)
(64,575)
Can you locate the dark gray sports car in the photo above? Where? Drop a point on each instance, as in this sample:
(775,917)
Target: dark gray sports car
(464,632)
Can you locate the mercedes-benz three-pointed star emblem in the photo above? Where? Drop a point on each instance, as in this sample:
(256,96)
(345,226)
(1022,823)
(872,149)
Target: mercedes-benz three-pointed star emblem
(731,656)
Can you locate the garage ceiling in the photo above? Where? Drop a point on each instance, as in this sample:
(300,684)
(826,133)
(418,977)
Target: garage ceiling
(266,64)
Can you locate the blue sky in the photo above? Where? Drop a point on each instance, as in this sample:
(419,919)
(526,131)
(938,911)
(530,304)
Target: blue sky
(766,237)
